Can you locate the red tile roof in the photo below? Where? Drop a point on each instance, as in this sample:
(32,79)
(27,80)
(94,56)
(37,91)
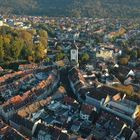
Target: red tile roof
(87,109)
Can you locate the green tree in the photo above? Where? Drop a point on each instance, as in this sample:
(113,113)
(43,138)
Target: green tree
(60,56)
(85,57)
(59,48)
(27,51)
(16,48)
(1,49)
(18,44)
(47,59)
(133,54)
(138,52)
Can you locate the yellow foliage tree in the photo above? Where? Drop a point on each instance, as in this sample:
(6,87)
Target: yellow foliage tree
(124,61)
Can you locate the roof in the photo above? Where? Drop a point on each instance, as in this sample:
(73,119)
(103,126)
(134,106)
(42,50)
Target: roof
(87,109)
(110,123)
(1,69)
(120,108)
(68,100)
(74,46)
(96,94)
(127,133)
(9,132)
(16,99)
(123,70)
(100,92)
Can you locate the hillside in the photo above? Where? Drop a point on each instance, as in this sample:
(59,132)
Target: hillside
(89,8)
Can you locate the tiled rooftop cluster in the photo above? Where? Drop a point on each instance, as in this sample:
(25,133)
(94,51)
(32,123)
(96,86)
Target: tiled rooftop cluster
(99,100)
(7,132)
(36,85)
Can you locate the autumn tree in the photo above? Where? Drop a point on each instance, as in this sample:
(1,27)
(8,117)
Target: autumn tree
(16,48)
(18,44)
(39,52)
(124,60)
(43,33)
(1,49)
(26,36)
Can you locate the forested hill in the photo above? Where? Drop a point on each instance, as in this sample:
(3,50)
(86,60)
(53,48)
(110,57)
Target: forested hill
(88,8)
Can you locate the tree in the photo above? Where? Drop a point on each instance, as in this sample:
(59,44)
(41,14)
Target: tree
(27,51)
(18,44)
(124,61)
(6,39)
(133,54)
(39,52)
(30,59)
(85,57)
(129,90)
(1,49)
(4,30)
(47,59)
(44,41)
(16,48)
(43,33)
(60,56)
(138,51)
(59,48)
(33,31)
(26,36)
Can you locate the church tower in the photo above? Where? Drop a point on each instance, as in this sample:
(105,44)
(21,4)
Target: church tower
(74,55)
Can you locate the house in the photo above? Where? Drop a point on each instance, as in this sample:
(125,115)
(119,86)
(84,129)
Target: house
(42,135)
(121,72)
(131,73)
(107,126)
(127,134)
(77,81)
(97,96)
(40,91)
(127,110)
(27,66)
(76,127)
(85,130)
(1,69)
(128,81)
(106,54)
(86,111)
(7,132)
(43,132)
(1,23)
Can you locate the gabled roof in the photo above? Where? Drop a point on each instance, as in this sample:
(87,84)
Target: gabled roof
(127,133)
(74,46)
(87,109)
(68,100)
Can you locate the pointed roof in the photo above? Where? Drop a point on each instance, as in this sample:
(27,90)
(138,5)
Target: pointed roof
(131,73)
(74,46)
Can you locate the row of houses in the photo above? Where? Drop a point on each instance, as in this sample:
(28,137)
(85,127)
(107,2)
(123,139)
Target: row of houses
(106,99)
(43,88)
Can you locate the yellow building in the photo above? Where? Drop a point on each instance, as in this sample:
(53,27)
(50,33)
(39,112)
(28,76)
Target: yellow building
(106,54)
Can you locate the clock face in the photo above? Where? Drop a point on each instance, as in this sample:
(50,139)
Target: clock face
(74,54)
(73,51)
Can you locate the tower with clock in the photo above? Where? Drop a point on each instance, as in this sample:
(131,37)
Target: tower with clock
(74,55)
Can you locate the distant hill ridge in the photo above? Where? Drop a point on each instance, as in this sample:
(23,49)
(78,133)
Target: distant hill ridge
(85,8)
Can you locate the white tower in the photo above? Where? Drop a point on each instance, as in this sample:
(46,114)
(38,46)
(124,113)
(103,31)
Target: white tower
(74,55)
